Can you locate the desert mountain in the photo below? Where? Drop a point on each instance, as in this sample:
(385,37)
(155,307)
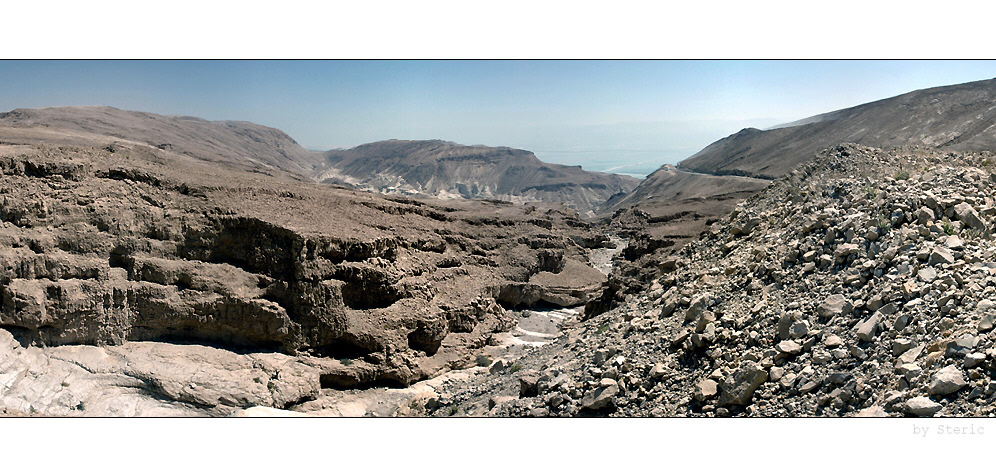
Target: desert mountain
(145,280)
(415,168)
(239,144)
(448,170)
(958,118)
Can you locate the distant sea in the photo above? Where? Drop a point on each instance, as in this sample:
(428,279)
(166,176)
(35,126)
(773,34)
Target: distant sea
(637,163)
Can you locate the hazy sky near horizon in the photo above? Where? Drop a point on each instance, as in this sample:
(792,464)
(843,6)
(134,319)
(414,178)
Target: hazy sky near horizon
(625,116)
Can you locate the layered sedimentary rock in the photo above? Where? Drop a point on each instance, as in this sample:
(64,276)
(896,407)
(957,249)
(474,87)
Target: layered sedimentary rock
(106,246)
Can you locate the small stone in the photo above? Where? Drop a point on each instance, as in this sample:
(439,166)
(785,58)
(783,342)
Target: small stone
(658,371)
(846,249)
(498,366)
(680,337)
(799,329)
(789,347)
(974,359)
(738,388)
(838,378)
(705,389)
(483,361)
(602,355)
(697,307)
(901,345)
(954,243)
(961,346)
(910,371)
(969,216)
(927,275)
(539,412)
(874,303)
(940,256)
(874,411)
(785,322)
(833,341)
(528,384)
(947,380)
(924,215)
(922,406)
(498,400)
(985,324)
(834,306)
(900,322)
(600,398)
(705,318)
(809,386)
(866,328)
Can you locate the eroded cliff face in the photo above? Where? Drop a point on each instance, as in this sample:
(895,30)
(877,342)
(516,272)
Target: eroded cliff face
(103,246)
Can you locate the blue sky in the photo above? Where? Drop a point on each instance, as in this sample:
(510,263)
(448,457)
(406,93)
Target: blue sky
(626,116)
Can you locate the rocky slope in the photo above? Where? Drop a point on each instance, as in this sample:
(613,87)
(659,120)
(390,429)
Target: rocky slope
(675,204)
(860,284)
(446,170)
(162,269)
(959,118)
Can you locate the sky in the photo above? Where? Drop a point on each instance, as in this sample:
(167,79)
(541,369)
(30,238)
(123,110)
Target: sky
(620,116)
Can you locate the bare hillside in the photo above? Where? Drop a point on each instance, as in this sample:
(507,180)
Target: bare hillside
(234,143)
(958,118)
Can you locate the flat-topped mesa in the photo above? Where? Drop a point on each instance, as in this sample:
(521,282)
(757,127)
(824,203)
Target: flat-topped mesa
(448,170)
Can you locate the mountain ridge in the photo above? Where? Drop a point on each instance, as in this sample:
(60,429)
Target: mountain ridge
(430,168)
(957,117)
